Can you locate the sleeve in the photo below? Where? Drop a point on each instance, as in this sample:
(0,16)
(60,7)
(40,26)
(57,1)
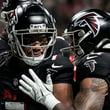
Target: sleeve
(63,70)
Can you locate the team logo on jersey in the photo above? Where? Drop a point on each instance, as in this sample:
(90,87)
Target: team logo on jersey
(90,64)
(89,20)
(51,71)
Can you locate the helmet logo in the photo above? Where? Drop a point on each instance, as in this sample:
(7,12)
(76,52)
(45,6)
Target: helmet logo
(89,20)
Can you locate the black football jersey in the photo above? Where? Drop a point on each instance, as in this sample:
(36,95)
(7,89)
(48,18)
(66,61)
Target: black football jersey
(11,69)
(95,65)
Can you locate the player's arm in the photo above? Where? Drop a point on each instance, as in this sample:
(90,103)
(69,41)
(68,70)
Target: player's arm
(63,92)
(62,83)
(91,95)
(60,106)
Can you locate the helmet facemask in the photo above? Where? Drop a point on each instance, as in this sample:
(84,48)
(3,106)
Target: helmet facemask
(76,40)
(32,45)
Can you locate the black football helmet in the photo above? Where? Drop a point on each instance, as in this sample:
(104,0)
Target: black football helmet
(88,30)
(9,6)
(33,24)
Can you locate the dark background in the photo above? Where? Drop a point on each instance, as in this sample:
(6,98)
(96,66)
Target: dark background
(63,10)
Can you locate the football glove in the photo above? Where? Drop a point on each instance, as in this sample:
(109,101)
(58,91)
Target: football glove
(37,90)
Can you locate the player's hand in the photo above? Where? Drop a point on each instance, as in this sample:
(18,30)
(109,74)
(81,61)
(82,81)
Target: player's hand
(37,90)
(27,85)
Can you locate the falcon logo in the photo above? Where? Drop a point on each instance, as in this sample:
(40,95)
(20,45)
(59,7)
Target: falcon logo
(89,20)
(91,65)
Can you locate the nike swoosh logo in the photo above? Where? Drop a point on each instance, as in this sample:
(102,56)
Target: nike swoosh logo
(90,57)
(56,66)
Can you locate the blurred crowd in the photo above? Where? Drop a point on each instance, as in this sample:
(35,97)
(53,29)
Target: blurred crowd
(62,10)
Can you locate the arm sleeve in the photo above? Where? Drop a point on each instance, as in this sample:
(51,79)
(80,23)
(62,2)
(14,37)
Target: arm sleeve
(65,73)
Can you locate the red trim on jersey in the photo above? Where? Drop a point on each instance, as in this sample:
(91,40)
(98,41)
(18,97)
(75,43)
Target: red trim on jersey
(74,77)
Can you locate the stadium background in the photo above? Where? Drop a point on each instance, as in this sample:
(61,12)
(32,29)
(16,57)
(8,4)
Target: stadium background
(63,10)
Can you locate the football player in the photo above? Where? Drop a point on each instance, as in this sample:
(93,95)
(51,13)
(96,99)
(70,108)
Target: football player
(33,43)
